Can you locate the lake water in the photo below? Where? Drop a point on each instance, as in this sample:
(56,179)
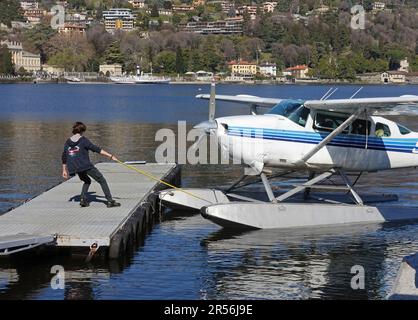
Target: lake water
(184,256)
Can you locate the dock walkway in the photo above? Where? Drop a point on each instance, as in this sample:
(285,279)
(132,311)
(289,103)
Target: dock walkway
(57,212)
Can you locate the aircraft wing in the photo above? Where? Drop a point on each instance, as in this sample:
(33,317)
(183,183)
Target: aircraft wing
(403,105)
(243,99)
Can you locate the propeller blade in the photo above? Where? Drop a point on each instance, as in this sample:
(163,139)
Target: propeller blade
(207,126)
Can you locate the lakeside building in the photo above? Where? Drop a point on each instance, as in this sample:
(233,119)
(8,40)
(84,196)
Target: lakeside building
(31,62)
(138,4)
(393,77)
(53,70)
(163,12)
(226,5)
(269,6)
(200,75)
(29,4)
(247,78)
(21,25)
(268,69)
(34,16)
(251,10)
(242,68)
(404,65)
(321,10)
(111,69)
(182,8)
(118,19)
(227,26)
(298,72)
(378,6)
(72,28)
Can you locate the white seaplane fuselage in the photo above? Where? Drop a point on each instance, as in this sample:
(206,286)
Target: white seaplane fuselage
(325,137)
(280,141)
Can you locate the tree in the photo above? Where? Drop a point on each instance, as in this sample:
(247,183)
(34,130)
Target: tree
(6,64)
(167,5)
(166,62)
(71,51)
(154,11)
(36,39)
(180,64)
(176,19)
(113,54)
(10,10)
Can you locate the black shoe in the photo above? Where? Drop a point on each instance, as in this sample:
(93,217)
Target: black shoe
(84,203)
(112,203)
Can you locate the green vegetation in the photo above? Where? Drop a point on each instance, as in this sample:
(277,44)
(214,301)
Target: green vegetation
(293,34)
(6,65)
(10,11)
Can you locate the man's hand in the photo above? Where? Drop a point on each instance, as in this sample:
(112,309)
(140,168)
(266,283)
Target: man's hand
(114,158)
(65,174)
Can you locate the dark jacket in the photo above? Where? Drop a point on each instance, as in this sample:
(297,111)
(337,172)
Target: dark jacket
(76,155)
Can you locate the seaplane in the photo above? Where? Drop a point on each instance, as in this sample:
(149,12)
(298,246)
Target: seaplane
(326,140)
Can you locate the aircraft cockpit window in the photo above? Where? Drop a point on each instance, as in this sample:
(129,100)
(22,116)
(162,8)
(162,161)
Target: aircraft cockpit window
(286,107)
(329,122)
(382,130)
(403,130)
(359,127)
(294,110)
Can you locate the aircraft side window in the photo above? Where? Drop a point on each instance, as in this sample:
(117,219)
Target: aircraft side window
(403,130)
(360,127)
(328,122)
(382,130)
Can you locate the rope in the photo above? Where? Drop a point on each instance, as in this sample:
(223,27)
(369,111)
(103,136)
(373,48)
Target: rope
(159,180)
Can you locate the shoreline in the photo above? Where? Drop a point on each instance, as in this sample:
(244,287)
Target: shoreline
(252,83)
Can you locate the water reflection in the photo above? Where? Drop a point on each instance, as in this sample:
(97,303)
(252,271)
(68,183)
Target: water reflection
(28,276)
(302,263)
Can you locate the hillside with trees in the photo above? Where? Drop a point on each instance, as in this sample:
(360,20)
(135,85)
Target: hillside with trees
(288,36)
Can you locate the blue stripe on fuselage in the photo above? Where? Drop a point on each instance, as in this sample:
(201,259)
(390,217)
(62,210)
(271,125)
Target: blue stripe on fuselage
(405,145)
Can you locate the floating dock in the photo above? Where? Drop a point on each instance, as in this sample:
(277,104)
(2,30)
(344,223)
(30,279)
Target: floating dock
(56,218)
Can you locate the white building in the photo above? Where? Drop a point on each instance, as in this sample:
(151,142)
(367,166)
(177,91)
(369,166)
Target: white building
(22,59)
(322,9)
(378,6)
(404,65)
(111,69)
(138,4)
(268,69)
(118,19)
(393,77)
(28,4)
(269,6)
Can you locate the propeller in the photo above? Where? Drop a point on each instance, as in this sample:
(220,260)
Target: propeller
(210,125)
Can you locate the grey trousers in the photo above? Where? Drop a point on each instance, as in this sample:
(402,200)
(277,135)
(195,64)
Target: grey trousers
(96,175)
